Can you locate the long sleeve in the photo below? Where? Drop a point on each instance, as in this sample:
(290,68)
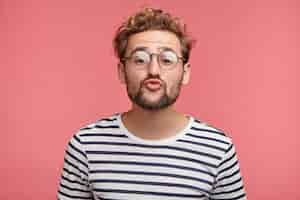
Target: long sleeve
(74,178)
(229,184)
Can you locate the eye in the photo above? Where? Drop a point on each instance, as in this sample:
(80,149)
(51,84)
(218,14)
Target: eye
(168,58)
(140,58)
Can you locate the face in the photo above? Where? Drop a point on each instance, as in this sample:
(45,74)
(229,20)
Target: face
(153,87)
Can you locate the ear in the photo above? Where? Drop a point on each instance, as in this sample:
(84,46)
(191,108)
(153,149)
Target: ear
(186,73)
(121,73)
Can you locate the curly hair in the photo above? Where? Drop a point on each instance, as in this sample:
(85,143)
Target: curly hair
(152,19)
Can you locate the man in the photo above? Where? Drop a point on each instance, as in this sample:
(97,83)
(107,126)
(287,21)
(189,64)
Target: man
(151,151)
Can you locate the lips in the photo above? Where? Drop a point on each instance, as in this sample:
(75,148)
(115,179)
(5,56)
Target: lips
(153,84)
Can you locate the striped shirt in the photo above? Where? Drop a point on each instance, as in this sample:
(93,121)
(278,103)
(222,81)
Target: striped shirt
(105,161)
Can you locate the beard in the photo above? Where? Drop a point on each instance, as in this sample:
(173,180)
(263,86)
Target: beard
(165,99)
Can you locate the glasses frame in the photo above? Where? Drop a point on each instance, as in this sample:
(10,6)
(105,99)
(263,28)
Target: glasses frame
(124,59)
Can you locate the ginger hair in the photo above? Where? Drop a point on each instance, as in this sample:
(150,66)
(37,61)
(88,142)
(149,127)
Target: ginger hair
(152,19)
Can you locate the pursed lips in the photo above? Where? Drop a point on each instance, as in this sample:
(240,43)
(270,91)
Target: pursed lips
(153,84)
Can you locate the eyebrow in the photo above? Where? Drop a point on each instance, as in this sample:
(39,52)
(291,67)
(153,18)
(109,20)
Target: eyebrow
(138,49)
(166,49)
(146,48)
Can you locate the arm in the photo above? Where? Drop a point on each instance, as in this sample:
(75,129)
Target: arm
(74,178)
(229,184)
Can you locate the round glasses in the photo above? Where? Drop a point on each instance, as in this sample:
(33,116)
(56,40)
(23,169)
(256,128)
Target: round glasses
(141,59)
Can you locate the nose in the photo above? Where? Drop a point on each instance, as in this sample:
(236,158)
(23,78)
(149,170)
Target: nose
(154,67)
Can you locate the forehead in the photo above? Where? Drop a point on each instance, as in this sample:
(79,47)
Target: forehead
(154,41)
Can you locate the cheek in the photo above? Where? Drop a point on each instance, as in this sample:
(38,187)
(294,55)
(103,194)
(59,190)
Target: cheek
(173,81)
(133,79)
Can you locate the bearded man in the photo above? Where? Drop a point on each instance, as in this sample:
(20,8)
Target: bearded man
(151,151)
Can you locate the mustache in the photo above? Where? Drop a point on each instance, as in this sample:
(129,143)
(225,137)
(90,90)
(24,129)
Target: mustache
(153,77)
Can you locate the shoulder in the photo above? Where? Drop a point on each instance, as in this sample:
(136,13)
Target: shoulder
(102,126)
(205,131)
(105,122)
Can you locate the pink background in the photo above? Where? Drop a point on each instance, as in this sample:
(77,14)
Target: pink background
(58,73)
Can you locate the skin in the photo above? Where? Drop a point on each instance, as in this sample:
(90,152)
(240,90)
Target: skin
(163,122)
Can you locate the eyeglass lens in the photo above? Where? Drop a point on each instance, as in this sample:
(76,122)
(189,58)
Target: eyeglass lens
(165,58)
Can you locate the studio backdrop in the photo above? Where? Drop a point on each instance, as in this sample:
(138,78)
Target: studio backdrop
(59,73)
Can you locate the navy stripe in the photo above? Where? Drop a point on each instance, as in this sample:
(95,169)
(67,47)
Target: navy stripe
(108,119)
(234,173)
(72,173)
(103,135)
(238,197)
(230,191)
(77,139)
(150,193)
(73,196)
(152,164)
(77,159)
(194,152)
(151,146)
(74,166)
(207,138)
(74,189)
(150,174)
(197,121)
(229,167)
(72,181)
(108,199)
(151,155)
(203,144)
(231,198)
(231,183)
(150,183)
(207,130)
(85,128)
(106,126)
(76,149)
(229,148)
(227,160)
(100,126)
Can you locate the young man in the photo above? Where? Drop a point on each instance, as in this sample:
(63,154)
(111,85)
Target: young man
(151,152)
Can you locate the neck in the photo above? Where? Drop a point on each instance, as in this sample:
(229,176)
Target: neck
(154,124)
(155,117)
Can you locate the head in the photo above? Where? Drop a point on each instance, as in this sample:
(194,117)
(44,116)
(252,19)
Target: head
(155,35)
